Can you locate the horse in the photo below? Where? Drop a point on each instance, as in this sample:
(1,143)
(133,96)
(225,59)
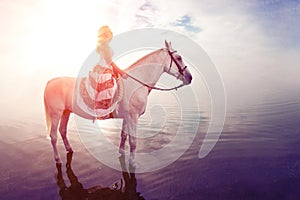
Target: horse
(138,80)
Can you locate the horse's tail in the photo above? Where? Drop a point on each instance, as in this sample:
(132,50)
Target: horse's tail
(48,118)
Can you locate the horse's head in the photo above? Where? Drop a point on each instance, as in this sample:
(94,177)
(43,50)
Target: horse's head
(176,66)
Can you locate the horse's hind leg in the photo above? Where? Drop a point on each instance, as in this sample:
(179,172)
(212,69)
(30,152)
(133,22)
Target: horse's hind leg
(53,134)
(63,130)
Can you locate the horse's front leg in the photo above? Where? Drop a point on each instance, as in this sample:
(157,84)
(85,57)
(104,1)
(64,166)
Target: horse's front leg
(129,128)
(124,133)
(132,138)
(132,142)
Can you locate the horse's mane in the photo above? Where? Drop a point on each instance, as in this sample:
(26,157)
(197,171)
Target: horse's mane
(137,63)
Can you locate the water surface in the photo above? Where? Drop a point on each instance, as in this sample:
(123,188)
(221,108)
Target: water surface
(256,157)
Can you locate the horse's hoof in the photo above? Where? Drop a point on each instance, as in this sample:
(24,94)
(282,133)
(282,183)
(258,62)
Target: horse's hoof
(58,161)
(122,152)
(132,163)
(70,151)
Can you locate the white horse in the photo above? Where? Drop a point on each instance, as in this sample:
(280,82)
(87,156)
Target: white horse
(139,79)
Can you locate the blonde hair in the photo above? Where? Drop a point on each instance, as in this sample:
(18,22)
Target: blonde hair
(104,37)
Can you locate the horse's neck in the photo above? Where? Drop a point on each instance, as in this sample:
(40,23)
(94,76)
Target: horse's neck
(151,66)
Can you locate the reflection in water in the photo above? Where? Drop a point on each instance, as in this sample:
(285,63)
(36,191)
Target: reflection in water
(77,191)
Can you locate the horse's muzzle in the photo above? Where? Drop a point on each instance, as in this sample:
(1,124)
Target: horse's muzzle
(187,79)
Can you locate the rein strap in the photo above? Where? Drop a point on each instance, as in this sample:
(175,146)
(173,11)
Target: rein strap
(153,87)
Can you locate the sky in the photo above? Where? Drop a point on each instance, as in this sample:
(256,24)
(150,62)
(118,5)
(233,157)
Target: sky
(253,43)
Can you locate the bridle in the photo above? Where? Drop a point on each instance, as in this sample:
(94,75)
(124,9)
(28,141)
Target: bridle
(180,70)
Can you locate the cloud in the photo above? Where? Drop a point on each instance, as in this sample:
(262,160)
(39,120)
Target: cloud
(227,24)
(186,22)
(145,14)
(222,28)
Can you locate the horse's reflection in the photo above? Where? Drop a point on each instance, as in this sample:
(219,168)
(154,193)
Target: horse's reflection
(77,191)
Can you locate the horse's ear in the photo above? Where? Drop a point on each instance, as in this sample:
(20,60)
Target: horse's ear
(167,45)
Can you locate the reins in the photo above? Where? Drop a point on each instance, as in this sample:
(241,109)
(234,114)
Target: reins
(153,87)
(122,73)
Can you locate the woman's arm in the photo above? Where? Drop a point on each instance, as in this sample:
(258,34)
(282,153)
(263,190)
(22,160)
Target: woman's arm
(116,69)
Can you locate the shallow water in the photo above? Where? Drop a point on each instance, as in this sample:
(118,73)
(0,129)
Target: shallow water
(256,157)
